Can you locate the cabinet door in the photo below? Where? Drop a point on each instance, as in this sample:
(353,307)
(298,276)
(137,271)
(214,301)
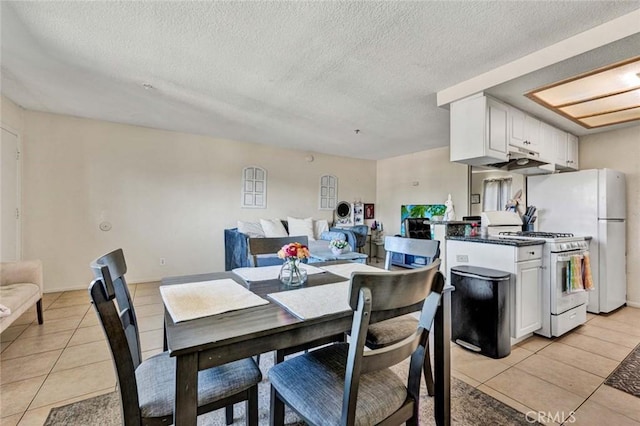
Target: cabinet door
(572,152)
(561,148)
(547,142)
(528,298)
(532,133)
(516,128)
(497,134)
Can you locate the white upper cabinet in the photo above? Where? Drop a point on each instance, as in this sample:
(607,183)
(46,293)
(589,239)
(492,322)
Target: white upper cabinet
(560,149)
(479,131)
(524,130)
(548,135)
(572,152)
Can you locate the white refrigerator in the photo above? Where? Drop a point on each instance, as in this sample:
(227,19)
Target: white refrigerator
(589,203)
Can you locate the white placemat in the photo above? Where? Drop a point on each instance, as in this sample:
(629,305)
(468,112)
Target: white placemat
(345,269)
(316,301)
(264,273)
(202,299)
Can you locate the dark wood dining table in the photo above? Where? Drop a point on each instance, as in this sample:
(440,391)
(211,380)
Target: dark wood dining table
(218,339)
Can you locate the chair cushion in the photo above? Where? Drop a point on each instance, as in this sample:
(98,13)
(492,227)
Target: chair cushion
(313,385)
(385,333)
(156,379)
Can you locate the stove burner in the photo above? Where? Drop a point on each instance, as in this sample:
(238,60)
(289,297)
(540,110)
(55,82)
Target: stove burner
(538,234)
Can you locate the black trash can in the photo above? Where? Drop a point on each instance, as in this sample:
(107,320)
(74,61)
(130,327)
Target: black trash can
(480,310)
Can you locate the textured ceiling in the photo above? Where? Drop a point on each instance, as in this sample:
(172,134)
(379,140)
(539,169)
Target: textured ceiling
(300,75)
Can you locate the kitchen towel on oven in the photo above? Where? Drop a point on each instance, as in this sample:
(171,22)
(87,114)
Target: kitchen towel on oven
(586,271)
(574,274)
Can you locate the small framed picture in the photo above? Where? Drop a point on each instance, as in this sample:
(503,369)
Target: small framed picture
(369,211)
(475,198)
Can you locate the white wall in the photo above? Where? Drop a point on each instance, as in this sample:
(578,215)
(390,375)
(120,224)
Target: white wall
(436,176)
(166,194)
(620,150)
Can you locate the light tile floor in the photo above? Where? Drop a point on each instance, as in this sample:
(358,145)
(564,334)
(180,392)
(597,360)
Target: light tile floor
(67,359)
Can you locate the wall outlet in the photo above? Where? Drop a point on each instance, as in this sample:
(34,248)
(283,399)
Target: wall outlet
(163,261)
(462,258)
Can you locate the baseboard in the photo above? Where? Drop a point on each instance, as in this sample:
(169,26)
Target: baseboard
(85,287)
(633,304)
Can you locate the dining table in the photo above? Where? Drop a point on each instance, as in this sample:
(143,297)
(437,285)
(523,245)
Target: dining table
(214,340)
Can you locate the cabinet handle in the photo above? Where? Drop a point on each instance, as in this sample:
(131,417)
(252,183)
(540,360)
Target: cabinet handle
(532,253)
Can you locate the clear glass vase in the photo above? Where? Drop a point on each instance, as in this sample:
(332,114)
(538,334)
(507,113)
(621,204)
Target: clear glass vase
(291,274)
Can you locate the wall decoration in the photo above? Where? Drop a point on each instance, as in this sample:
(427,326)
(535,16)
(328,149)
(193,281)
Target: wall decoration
(328,192)
(475,198)
(420,210)
(369,212)
(254,188)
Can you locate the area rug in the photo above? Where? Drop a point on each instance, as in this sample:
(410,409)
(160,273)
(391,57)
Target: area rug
(627,376)
(469,407)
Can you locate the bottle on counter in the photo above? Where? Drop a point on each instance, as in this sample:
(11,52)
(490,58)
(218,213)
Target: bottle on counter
(474,229)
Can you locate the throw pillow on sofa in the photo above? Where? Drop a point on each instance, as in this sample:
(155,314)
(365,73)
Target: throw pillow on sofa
(320,226)
(273,228)
(252,229)
(301,227)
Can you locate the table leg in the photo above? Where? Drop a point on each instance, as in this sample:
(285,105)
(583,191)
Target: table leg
(442,360)
(185,410)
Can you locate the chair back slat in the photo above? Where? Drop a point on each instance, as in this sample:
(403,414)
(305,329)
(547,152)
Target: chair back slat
(395,289)
(428,249)
(261,246)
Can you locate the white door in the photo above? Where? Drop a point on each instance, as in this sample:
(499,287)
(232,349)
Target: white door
(9,197)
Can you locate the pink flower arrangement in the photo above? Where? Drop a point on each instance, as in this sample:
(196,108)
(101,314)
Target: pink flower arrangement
(293,251)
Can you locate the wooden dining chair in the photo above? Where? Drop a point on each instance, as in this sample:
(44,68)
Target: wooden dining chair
(388,332)
(342,384)
(259,248)
(147,388)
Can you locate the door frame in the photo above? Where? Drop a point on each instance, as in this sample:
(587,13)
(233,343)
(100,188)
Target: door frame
(18,135)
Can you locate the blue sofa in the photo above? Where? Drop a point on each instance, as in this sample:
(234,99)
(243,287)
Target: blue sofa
(236,246)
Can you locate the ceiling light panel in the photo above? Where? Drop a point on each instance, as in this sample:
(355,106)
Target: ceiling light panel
(612,118)
(608,104)
(606,96)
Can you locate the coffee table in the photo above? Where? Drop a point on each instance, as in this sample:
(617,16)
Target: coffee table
(325,255)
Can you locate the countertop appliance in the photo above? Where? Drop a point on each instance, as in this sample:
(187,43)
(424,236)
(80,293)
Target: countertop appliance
(561,311)
(501,221)
(589,202)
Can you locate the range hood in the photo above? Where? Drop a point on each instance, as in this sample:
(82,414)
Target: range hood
(525,162)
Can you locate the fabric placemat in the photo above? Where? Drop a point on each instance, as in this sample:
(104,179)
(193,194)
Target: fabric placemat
(345,269)
(264,273)
(205,298)
(316,301)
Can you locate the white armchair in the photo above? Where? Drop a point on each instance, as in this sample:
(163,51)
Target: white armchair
(20,289)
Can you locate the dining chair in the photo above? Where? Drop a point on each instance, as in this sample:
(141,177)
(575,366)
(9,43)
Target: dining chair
(385,333)
(147,388)
(361,232)
(262,251)
(342,384)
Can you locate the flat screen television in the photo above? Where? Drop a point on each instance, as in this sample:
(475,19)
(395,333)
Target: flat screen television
(420,210)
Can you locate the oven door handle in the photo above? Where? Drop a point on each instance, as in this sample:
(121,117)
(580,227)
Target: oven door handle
(565,258)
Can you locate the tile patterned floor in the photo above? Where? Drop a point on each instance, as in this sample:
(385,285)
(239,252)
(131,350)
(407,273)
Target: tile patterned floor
(67,360)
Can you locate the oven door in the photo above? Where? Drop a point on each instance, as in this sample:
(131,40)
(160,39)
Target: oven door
(560,301)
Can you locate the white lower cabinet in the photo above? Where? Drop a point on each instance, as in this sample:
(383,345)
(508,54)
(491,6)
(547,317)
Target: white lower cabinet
(525,266)
(528,298)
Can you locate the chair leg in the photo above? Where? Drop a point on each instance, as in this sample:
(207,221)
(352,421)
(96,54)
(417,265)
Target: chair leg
(428,374)
(39,310)
(228,414)
(276,413)
(252,406)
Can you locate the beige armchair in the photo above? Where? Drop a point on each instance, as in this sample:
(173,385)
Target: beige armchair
(20,289)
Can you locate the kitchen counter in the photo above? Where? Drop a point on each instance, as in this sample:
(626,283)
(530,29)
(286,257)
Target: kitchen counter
(498,241)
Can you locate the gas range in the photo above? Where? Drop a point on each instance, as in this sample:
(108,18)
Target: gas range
(556,242)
